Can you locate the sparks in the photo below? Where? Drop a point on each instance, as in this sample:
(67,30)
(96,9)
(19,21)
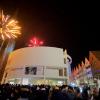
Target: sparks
(9,28)
(34,42)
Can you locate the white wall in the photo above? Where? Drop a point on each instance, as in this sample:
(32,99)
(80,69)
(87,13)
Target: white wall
(44,56)
(52,73)
(19,73)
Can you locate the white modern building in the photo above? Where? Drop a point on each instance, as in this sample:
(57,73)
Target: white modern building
(38,65)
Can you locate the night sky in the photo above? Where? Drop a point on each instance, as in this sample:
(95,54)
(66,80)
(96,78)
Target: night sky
(69,25)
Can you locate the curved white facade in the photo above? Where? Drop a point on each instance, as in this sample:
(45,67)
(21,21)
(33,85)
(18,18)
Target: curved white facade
(46,61)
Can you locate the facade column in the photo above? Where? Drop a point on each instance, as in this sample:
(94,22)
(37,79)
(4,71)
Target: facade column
(63,77)
(44,77)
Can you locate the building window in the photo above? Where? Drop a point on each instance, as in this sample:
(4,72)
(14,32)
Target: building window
(31,70)
(60,72)
(65,72)
(64,60)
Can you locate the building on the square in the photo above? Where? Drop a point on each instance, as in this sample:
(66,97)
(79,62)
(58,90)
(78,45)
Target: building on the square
(82,73)
(94,58)
(38,65)
(89,71)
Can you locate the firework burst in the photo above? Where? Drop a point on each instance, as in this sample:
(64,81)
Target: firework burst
(9,27)
(34,42)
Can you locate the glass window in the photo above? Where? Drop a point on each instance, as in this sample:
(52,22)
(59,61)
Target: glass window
(65,72)
(64,60)
(60,72)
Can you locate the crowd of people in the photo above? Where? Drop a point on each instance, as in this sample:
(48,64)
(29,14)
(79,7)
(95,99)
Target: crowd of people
(47,92)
